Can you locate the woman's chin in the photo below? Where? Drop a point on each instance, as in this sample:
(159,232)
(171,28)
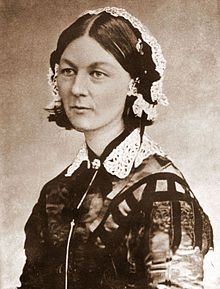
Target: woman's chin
(82,127)
(80,124)
(79,129)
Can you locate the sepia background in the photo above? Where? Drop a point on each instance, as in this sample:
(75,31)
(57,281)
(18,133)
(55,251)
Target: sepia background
(34,150)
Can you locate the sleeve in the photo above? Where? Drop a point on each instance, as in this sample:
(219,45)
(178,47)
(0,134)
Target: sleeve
(35,247)
(178,234)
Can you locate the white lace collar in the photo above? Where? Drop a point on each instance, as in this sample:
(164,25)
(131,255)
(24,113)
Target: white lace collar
(127,154)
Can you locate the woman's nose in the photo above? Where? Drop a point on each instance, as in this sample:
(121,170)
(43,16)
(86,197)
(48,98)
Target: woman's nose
(79,85)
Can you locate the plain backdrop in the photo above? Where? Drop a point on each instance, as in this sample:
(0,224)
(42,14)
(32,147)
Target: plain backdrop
(34,150)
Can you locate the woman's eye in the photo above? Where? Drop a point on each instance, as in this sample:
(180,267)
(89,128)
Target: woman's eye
(98,74)
(68,71)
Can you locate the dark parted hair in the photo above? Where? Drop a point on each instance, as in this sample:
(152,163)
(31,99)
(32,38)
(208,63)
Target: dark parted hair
(117,36)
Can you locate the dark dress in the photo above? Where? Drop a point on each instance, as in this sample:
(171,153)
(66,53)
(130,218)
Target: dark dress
(138,224)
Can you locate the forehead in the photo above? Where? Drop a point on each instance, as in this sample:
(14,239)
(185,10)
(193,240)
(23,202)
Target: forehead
(85,51)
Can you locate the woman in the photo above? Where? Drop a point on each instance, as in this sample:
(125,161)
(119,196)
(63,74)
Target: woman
(121,215)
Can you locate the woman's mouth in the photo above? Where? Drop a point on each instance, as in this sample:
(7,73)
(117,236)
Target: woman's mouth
(80,109)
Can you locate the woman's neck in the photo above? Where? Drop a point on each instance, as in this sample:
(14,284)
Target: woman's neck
(98,139)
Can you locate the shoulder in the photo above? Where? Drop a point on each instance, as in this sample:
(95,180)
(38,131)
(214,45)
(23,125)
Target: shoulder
(161,181)
(157,167)
(57,185)
(167,198)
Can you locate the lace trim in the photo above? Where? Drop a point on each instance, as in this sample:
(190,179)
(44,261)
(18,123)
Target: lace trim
(141,105)
(149,39)
(157,55)
(148,148)
(121,160)
(52,81)
(157,94)
(81,156)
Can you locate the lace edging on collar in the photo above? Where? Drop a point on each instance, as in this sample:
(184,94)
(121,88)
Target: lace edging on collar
(127,154)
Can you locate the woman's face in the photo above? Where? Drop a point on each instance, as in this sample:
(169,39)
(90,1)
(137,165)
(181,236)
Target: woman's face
(92,84)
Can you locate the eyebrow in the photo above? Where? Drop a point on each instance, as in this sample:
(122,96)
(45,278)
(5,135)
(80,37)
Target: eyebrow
(67,62)
(92,65)
(99,63)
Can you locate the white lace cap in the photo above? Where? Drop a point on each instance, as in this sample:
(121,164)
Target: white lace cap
(52,81)
(157,55)
(158,58)
(127,154)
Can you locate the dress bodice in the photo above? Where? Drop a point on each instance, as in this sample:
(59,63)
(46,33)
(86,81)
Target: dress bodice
(138,225)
